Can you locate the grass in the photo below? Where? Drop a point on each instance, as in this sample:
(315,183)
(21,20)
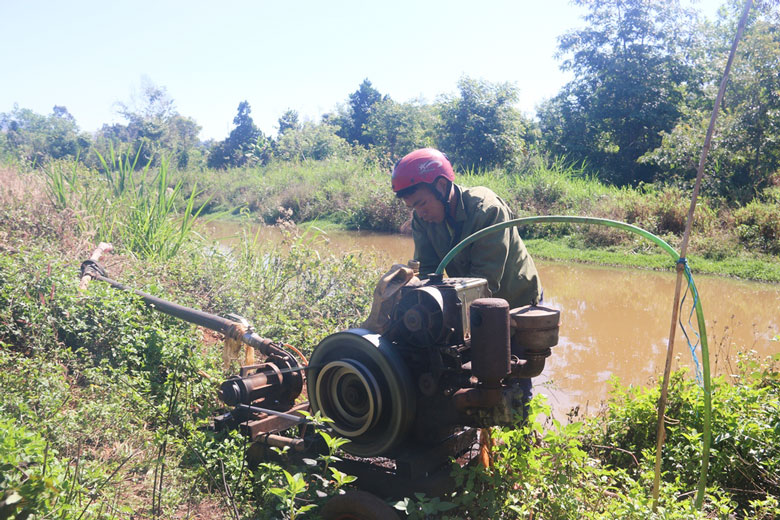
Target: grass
(353,193)
(560,249)
(143,211)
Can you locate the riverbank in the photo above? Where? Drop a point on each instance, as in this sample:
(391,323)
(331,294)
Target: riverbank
(745,266)
(639,255)
(354,194)
(742,242)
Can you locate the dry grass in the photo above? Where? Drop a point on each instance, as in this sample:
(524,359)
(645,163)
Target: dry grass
(17,189)
(27,214)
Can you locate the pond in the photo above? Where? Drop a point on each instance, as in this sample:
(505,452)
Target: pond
(614,321)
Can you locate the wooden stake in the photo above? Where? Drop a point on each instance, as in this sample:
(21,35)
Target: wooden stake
(661,432)
(103,247)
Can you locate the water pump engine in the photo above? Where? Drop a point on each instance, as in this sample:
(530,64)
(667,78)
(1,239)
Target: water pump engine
(452,358)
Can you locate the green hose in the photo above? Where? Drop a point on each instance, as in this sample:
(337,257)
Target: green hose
(705,450)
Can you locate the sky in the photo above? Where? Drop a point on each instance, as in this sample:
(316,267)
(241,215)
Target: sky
(297,54)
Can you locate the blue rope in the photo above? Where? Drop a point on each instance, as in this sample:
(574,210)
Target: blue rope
(695,293)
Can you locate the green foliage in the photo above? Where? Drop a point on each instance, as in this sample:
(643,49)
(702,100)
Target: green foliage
(745,459)
(744,156)
(422,507)
(288,494)
(32,478)
(602,467)
(545,470)
(289,121)
(141,212)
(310,142)
(154,128)
(481,128)
(631,65)
(758,226)
(81,371)
(37,139)
(246,144)
(295,492)
(396,128)
(352,122)
(353,192)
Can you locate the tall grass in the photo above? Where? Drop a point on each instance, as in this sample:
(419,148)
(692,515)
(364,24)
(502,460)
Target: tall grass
(142,211)
(352,192)
(119,172)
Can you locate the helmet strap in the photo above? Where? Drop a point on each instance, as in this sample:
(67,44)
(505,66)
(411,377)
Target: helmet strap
(444,199)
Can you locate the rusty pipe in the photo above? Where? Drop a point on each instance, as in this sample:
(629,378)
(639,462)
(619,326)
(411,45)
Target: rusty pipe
(532,366)
(204,319)
(466,398)
(280,441)
(296,419)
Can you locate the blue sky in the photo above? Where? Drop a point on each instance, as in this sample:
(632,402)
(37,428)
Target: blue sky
(304,55)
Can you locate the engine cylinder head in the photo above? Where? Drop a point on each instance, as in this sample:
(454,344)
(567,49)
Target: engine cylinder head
(490,356)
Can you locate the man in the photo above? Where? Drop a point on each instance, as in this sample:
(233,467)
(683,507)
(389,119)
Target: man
(445,214)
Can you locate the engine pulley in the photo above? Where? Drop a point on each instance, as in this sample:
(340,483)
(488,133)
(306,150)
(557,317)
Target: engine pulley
(363,385)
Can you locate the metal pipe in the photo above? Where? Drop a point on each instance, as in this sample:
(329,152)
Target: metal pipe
(280,441)
(204,319)
(527,368)
(256,409)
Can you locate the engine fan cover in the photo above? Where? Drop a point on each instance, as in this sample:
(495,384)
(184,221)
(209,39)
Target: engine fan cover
(421,313)
(362,384)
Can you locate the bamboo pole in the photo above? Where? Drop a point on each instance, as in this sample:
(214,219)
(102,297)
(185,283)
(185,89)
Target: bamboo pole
(661,432)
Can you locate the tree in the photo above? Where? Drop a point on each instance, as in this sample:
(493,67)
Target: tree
(153,104)
(352,123)
(310,142)
(481,128)
(289,121)
(154,126)
(633,73)
(396,129)
(37,138)
(246,144)
(745,154)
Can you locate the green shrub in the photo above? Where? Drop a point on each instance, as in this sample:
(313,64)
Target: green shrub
(758,226)
(378,209)
(33,481)
(545,471)
(745,456)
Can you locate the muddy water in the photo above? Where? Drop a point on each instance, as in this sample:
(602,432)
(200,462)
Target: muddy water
(614,322)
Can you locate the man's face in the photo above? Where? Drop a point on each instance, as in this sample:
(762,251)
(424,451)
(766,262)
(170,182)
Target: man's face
(426,205)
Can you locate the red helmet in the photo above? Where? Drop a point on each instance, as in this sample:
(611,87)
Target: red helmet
(423,165)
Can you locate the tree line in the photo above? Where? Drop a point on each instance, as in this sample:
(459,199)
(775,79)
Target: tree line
(645,77)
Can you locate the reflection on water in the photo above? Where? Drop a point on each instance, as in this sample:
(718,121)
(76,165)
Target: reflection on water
(614,322)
